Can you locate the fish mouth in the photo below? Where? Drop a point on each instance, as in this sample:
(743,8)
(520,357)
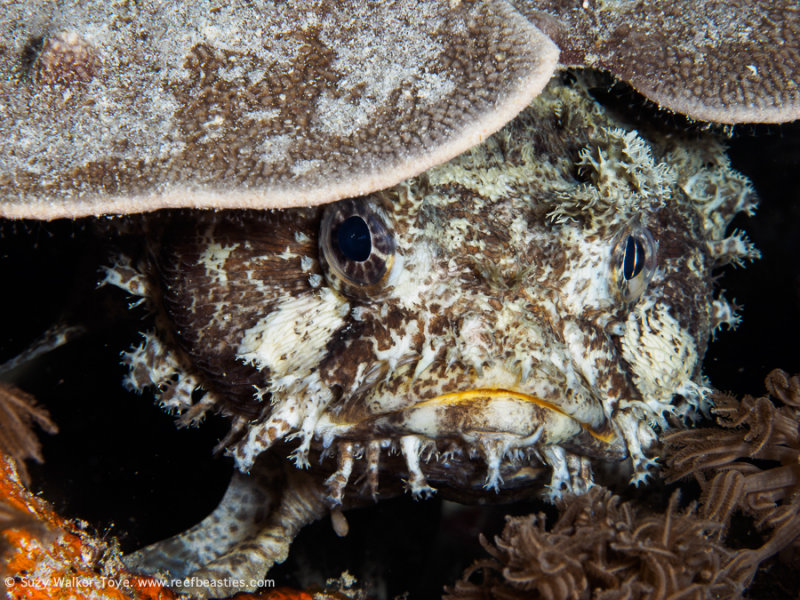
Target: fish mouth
(480,411)
(449,438)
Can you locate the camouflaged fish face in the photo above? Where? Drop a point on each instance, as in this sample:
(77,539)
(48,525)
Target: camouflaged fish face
(543,300)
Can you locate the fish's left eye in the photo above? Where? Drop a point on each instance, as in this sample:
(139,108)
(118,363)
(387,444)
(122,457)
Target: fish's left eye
(635,256)
(632,264)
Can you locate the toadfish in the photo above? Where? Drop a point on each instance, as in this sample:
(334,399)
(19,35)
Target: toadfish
(499,324)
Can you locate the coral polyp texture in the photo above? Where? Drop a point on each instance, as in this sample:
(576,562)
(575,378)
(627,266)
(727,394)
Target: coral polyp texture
(601,546)
(112,107)
(750,462)
(732,61)
(18,411)
(491,329)
(63,59)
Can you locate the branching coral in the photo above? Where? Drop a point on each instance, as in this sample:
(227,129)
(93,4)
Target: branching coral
(750,463)
(602,547)
(18,413)
(19,410)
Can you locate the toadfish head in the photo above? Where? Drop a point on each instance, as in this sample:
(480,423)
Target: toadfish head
(539,302)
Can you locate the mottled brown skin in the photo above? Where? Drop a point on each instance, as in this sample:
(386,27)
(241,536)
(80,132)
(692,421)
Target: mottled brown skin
(497,351)
(176,260)
(193,301)
(262,236)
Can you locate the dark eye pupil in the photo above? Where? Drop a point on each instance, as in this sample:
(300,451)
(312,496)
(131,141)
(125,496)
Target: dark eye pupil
(354,239)
(633,263)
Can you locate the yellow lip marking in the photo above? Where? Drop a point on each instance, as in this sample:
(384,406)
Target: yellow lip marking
(477,394)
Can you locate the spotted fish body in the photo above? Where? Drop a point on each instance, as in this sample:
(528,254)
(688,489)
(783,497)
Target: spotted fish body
(542,302)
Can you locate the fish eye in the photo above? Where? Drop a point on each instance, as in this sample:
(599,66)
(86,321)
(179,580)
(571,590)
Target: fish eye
(354,239)
(635,256)
(633,262)
(357,247)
